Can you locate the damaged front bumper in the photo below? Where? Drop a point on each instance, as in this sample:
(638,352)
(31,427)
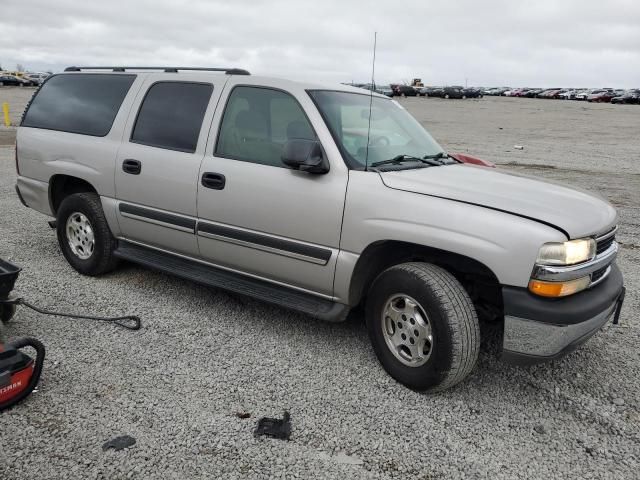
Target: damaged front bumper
(538,329)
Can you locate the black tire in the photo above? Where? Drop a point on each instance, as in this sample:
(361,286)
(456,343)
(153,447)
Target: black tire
(446,96)
(101,259)
(451,314)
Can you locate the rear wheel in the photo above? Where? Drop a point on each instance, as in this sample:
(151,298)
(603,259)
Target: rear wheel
(446,96)
(84,235)
(423,326)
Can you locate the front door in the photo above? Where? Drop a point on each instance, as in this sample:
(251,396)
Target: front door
(158,163)
(255,215)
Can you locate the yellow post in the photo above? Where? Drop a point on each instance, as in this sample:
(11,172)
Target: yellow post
(5,109)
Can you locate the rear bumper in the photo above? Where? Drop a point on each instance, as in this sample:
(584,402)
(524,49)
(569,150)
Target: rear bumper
(34,194)
(538,329)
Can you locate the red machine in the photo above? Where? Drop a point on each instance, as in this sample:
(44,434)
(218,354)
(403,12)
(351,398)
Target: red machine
(19,373)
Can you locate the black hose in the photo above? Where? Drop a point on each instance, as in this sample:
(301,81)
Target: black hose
(130,322)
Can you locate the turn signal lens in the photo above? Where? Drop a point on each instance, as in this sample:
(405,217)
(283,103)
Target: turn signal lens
(558,289)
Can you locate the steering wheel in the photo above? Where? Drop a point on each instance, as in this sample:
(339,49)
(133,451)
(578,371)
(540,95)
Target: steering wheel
(381,141)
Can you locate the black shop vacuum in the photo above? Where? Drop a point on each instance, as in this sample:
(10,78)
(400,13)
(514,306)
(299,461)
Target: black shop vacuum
(19,371)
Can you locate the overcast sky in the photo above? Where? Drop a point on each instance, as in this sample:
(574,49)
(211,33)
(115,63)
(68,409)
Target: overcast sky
(488,42)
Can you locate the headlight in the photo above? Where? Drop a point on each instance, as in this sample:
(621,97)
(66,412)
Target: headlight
(567,253)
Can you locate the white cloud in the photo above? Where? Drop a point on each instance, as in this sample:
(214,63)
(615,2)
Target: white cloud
(546,43)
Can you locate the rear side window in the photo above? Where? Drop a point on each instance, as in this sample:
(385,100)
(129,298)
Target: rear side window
(78,103)
(171,115)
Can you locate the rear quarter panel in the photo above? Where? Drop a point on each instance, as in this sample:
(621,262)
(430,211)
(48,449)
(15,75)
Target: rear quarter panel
(44,153)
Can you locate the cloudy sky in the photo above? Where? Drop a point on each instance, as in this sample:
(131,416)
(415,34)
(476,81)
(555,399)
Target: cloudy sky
(488,42)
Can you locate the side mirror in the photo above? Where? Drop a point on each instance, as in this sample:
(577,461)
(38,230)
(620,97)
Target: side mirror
(305,155)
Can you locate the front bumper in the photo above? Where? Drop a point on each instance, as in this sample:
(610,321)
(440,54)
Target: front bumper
(538,329)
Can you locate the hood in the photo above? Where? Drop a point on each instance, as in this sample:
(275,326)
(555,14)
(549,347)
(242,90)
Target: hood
(575,212)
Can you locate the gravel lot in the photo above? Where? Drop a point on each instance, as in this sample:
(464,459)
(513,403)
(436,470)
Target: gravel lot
(203,355)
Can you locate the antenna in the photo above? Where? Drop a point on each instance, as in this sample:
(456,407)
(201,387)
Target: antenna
(373,86)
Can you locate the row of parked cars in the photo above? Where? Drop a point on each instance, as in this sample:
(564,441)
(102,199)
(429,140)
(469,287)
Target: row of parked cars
(22,79)
(399,90)
(598,95)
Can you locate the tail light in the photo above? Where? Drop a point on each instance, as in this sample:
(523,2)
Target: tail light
(17,166)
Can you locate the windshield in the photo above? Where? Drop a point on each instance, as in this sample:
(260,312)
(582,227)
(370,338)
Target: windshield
(394,131)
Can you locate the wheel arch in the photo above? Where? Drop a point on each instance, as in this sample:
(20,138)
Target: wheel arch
(479,280)
(61,186)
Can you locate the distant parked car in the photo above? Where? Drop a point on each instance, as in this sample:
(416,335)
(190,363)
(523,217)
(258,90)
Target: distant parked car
(36,78)
(630,96)
(567,95)
(582,95)
(404,90)
(550,93)
(21,76)
(384,90)
(432,91)
(472,92)
(601,96)
(453,92)
(10,80)
(497,91)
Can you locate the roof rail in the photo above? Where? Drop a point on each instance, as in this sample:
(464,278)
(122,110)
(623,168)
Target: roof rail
(228,71)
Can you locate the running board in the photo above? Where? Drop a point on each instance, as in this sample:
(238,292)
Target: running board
(234,282)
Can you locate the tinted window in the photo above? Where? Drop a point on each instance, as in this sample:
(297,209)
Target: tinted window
(78,103)
(258,122)
(171,115)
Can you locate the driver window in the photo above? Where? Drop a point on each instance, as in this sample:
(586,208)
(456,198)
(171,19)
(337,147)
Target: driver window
(257,123)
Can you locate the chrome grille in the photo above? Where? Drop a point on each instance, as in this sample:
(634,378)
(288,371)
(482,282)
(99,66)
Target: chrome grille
(605,241)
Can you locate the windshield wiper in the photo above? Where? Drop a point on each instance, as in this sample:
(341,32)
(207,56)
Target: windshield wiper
(437,156)
(396,160)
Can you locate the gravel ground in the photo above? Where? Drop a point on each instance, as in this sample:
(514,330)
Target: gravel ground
(203,355)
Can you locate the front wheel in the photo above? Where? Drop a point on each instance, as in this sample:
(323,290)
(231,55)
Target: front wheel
(423,326)
(84,235)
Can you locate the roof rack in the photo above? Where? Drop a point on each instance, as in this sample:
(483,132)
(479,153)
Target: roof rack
(228,71)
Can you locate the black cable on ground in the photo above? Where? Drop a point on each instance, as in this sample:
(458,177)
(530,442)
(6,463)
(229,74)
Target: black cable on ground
(130,322)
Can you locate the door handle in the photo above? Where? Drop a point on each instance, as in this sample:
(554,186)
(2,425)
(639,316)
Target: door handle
(134,167)
(216,181)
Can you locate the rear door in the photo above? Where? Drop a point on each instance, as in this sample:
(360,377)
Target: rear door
(262,218)
(157,165)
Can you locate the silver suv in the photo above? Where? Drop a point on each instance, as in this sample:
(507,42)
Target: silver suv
(319,199)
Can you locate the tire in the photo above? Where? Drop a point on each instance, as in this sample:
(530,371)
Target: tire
(446,96)
(450,317)
(464,97)
(93,254)
(1,84)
